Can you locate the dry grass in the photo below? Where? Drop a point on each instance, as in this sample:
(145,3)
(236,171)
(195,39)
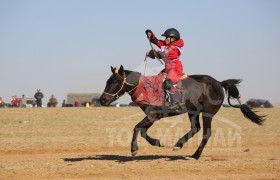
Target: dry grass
(94,143)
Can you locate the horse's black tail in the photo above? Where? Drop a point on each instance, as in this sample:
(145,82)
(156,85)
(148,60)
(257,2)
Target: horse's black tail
(232,91)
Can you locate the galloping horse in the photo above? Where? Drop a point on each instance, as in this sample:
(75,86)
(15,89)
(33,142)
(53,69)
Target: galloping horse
(200,94)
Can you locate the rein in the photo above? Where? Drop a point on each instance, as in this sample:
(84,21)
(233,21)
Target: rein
(155,54)
(124,82)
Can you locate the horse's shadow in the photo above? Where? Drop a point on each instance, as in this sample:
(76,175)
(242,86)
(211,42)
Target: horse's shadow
(118,158)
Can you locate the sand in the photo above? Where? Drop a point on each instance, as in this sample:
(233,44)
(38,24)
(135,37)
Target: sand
(94,143)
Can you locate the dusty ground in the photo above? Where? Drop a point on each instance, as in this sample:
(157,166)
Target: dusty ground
(94,143)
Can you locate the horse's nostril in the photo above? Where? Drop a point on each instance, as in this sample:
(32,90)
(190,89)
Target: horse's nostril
(102,100)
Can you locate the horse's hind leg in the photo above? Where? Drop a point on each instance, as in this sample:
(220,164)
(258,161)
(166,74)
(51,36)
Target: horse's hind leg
(142,127)
(207,119)
(195,127)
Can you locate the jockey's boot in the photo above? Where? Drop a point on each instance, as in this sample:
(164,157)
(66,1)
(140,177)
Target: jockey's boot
(174,101)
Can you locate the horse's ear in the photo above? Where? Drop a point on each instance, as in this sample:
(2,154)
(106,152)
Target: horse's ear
(121,70)
(113,69)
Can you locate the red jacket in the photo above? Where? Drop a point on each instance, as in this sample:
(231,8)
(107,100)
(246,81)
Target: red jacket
(173,66)
(173,50)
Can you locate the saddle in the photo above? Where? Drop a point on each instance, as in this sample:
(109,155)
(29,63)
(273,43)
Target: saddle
(150,90)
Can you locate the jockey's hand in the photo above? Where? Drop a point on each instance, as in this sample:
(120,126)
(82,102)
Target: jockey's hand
(159,54)
(150,34)
(150,54)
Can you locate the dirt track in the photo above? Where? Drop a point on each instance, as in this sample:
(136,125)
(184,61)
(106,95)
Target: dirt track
(94,143)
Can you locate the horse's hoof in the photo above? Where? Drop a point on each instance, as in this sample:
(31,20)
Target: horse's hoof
(191,158)
(175,148)
(134,153)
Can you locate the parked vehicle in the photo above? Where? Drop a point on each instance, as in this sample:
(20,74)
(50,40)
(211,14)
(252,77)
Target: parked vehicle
(29,101)
(259,103)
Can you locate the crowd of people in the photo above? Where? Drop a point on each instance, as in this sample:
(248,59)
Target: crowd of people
(37,101)
(32,102)
(15,102)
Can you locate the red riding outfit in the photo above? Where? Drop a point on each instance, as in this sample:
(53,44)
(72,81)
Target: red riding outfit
(173,65)
(170,53)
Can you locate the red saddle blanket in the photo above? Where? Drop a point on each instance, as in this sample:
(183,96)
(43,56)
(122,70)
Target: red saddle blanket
(149,91)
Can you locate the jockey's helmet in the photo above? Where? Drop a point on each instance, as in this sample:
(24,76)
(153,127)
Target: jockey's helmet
(172,32)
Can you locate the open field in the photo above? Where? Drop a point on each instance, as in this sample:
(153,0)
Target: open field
(94,143)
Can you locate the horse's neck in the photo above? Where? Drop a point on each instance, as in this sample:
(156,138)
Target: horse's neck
(132,77)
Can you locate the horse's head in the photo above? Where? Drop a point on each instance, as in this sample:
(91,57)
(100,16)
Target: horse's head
(114,86)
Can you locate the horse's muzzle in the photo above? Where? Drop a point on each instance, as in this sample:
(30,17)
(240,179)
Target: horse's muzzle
(105,100)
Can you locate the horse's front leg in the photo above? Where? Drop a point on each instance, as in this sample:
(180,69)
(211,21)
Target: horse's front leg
(142,127)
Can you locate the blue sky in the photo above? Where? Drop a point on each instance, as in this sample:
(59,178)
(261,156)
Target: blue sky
(63,46)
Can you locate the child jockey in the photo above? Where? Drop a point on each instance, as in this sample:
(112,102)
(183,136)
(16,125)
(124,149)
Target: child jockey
(170,52)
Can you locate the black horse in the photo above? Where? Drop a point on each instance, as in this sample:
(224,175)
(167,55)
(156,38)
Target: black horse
(200,94)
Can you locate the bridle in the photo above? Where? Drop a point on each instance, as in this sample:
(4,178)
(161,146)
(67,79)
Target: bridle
(124,82)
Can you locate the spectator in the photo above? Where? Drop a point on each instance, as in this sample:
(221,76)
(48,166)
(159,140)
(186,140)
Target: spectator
(33,102)
(22,102)
(39,96)
(52,102)
(93,104)
(63,103)
(88,104)
(2,103)
(14,101)
(78,103)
